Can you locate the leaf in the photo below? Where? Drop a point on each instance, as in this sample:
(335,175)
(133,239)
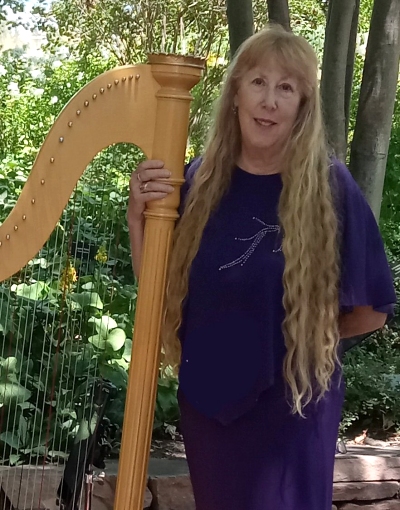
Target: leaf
(88,286)
(115,374)
(97,341)
(93,422)
(37,291)
(116,339)
(5,315)
(41,261)
(104,325)
(27,405)
(57,454)
(67,424)
(83,431)
(23,429)
(9,365)
(122,363)
(11,439)
(88,300)
(13,393)
(14,458)
(38,450)
(127,350)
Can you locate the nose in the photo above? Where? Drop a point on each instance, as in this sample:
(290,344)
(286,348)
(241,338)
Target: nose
(270,99)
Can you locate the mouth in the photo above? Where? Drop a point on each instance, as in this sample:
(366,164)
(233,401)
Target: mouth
(265,122)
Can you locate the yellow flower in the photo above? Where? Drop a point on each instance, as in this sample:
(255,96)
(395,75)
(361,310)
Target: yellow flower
(68,276)
(101,255)
(190,153)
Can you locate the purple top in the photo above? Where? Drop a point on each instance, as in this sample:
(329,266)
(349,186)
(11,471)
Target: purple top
(232,342)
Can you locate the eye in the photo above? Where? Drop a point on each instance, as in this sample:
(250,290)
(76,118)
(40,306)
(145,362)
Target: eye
(286,87)
(258,81)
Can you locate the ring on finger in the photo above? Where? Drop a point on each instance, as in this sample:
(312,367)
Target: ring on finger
(143,187)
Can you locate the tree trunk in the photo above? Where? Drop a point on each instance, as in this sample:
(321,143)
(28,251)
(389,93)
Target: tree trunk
(278,12)
(240,21)
(334,68)
(377,97)
(350,66)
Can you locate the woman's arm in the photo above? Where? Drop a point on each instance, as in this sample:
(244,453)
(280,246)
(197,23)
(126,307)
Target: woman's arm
(144,187)
(362,320)
(136,234)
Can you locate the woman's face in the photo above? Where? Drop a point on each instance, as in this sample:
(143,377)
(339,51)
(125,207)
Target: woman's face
(267,102)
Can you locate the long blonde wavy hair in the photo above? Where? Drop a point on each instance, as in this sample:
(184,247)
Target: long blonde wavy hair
(306,214)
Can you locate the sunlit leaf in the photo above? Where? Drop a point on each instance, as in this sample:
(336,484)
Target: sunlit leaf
(36,291)
(14,459)
(83,431)
(88,300)
(98,341)
(104,325)
(13,393)
(9,365)
(127,350)
(116,339)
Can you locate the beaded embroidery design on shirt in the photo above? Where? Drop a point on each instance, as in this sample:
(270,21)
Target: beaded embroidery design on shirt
(256,240)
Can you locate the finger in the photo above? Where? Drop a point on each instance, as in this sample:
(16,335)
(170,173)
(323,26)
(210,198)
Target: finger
(150,186)
(152,174)
(150,163)
(154,195)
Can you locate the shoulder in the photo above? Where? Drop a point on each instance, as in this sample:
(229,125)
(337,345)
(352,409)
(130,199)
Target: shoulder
(342,178)
(346,192)
(189,173)
(191,168)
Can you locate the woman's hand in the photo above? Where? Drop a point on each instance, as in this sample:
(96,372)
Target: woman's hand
(144,186)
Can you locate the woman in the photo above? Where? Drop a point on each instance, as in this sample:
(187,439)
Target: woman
(276,257)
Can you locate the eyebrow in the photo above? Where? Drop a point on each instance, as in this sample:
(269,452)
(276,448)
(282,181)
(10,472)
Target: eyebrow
(285,77)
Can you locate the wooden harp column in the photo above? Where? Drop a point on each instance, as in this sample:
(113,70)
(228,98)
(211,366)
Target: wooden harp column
(147,105)
(169,145)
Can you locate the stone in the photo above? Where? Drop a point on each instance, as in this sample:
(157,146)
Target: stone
(30,486)
(364,491)
(104,493)
(172,493)
(389,504)
(35,487)
(366,468)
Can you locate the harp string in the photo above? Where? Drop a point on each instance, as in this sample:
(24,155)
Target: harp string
(48,276)
(101,221)
(89,395)
(61,385)
(52,361)
(57,357)
(5,355)
(14,335)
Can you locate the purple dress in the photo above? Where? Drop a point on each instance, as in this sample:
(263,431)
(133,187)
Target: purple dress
(245,449)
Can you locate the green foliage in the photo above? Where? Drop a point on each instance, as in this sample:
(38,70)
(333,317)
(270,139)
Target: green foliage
(89,321)
(372,373)
(62,302)
(15,6)
(89,314)
(127,32)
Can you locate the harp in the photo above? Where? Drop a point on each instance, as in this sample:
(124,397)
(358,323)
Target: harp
(146,105)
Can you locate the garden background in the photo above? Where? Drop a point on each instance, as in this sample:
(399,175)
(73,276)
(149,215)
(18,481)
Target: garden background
(83,38)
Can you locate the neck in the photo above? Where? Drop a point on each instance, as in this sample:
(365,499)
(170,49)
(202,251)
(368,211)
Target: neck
(261,164)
